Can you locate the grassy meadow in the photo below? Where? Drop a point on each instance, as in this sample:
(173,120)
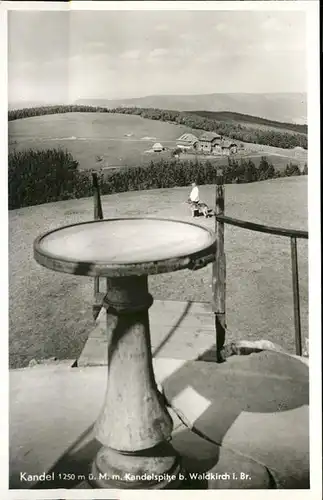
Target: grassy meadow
(91,135)
(118,139)
(51,313)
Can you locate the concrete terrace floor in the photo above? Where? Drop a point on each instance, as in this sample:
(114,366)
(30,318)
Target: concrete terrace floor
(246,418)
(51,314)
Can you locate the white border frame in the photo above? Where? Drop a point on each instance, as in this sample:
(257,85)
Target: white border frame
(311,10)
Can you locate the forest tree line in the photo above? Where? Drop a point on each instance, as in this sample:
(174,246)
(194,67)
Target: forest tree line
(36,177)
(235,131)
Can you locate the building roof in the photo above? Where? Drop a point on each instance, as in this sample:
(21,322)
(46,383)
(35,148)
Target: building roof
(188,138)
(209,136)
(228,144)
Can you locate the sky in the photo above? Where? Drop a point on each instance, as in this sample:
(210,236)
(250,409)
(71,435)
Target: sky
(59,57)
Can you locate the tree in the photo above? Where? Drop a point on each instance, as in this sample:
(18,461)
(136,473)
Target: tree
(250,171)
(266,170)
(292,169)
(176,152)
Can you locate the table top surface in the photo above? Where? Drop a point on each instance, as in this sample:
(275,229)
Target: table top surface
(125,246)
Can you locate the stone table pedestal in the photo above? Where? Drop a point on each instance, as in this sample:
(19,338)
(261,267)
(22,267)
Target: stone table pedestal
(134,426)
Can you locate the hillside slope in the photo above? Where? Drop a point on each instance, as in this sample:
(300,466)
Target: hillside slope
(251,121)
(50,313)
(291,108)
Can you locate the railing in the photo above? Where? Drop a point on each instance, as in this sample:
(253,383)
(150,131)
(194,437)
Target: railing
(219,265)
(98,215)
(219,270)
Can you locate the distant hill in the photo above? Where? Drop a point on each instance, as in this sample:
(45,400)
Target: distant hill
(248,120)
(287,108)
(26,104)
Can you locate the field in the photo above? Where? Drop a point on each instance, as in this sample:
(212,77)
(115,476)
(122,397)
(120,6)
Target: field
(91,135)
(119,140)
(50,313)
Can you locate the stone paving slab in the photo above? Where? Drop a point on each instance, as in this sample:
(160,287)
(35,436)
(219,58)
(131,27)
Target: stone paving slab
(49,409)
(257,405)
(279,440)
(210,466)
(54,364)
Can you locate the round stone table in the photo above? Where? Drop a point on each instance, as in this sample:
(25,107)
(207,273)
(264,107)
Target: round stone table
(134,426)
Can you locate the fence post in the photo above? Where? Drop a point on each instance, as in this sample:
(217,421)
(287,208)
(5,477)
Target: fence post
(219,269)
(98,214)
(297,317)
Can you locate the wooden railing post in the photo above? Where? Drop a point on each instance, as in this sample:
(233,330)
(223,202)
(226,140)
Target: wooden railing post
(293,234)
(297,317)
(98,215)
(219,269)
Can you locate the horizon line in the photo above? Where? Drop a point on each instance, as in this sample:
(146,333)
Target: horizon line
(171,95)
